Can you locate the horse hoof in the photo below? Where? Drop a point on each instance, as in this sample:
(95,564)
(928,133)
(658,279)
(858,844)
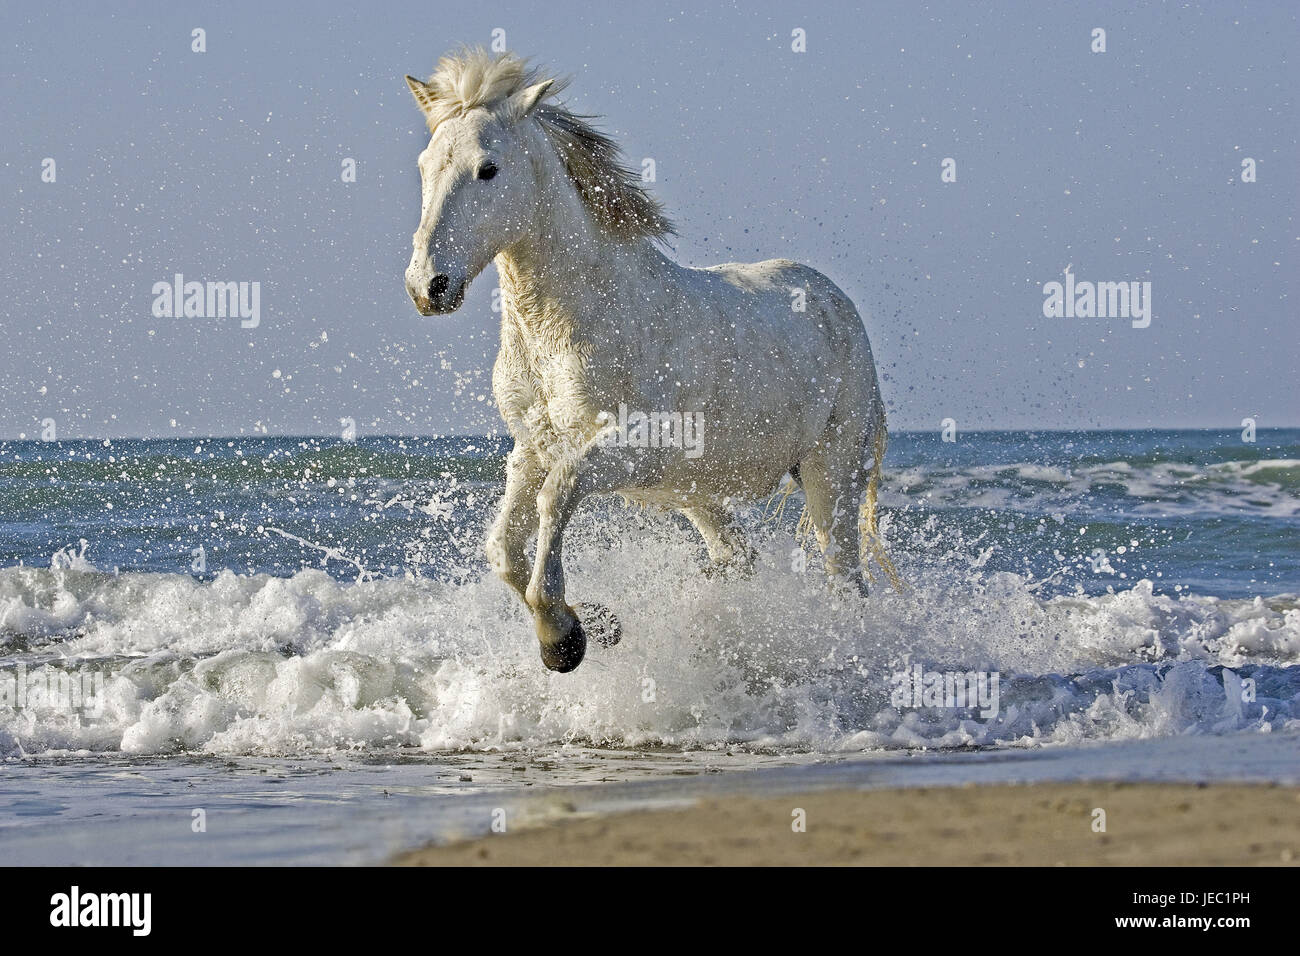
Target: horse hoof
(600,623)
(566,653)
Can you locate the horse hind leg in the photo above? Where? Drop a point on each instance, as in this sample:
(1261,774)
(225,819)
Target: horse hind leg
(834,482)
(724,538)
(868,528)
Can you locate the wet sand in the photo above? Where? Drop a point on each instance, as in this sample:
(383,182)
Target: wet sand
(1035,824)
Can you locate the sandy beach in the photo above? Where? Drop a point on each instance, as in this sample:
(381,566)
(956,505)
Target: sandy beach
(1046,824)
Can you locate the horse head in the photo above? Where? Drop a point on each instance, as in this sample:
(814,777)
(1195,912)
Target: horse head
(479,186)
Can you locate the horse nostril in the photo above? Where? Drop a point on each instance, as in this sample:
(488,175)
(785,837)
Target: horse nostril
(438,285)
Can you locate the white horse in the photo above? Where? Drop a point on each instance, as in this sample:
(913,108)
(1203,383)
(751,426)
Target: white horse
(768,361)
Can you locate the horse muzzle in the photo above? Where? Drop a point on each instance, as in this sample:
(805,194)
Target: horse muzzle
(441,296)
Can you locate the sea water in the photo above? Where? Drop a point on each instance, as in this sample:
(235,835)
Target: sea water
(314,603)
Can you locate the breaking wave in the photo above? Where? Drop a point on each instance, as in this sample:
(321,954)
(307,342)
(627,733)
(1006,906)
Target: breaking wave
(254,663)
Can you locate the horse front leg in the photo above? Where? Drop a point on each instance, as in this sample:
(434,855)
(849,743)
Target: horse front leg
(516,518)
(598,468)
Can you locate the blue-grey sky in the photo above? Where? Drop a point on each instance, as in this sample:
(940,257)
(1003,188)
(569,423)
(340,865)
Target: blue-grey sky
(226,165)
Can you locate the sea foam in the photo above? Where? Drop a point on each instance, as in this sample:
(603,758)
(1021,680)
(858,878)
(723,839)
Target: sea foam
(253,664)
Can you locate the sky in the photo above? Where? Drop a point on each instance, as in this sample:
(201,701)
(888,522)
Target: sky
(227,165)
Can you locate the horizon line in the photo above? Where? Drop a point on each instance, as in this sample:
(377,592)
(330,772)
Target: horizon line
(334,436)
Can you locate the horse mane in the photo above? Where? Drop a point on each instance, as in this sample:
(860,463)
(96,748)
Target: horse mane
(610,189)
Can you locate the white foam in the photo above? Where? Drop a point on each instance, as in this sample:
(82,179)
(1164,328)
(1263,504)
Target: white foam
(258,664)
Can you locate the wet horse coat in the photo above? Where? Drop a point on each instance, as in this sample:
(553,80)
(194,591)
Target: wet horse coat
(596,318)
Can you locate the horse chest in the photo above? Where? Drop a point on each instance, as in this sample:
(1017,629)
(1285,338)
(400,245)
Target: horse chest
(546,399)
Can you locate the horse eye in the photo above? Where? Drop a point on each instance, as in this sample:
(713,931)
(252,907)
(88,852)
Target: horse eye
(486,171)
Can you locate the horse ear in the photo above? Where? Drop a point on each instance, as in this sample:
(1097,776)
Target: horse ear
(423,94)
(526,100)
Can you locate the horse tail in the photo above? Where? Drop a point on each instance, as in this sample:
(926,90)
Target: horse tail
(868,528)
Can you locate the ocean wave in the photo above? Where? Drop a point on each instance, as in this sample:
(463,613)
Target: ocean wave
(261,664)
(1265,488)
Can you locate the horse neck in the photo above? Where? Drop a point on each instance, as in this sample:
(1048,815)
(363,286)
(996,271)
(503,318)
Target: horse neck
(559,279)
